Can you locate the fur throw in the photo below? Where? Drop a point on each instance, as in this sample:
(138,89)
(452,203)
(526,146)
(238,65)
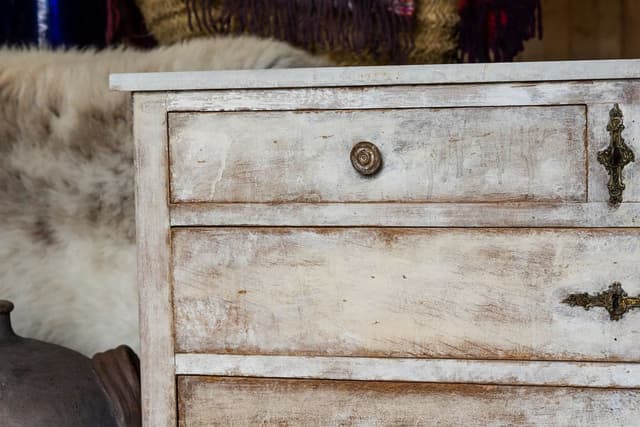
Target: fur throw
(67,234)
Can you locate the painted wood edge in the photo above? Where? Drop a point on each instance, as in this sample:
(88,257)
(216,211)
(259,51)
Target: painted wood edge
(154,276)
(407,214)
(414,96)
(378,75)
(542,373)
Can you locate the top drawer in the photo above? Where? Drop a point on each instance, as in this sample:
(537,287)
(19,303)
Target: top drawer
(483,154)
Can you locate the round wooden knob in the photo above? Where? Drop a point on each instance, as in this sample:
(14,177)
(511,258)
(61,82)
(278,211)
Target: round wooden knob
(366,158)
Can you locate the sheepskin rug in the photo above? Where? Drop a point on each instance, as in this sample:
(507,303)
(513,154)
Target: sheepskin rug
(67,232)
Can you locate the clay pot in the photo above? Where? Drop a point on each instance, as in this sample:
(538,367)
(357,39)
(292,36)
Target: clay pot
(43,384)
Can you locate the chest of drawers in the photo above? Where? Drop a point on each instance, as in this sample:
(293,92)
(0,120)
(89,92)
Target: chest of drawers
(390,246)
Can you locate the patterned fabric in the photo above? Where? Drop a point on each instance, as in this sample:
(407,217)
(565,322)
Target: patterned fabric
(428,30)
(403,7)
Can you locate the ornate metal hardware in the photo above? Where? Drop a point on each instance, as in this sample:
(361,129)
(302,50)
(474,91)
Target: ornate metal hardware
(616,156)
(614,300)
(366,158)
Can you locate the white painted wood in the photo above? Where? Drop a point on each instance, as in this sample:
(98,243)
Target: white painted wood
(448,293)
(429,155)
(436,96)
(407,214)
(504,145)
(375,76)
(265,402)
(152,222)
(504,372)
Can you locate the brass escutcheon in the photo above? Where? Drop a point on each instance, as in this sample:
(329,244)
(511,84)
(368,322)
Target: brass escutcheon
(616,156)
(614,300)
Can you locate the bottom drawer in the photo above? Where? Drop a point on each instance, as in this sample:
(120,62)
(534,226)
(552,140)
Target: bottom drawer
(224,401)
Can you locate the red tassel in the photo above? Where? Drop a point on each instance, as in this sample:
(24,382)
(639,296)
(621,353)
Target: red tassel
(495,30)
(113,20)
(125,24)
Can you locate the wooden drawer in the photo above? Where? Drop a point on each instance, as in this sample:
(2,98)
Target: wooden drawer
(428,155)
(398,292)
(210,401)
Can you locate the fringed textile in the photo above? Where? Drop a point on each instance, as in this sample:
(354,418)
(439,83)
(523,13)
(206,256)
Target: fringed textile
(126,25)
(380,28)
(495,30)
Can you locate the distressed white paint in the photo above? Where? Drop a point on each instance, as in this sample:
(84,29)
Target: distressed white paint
(407,214)
(436,96)
(273,301)
(375,76)
(505,372)
(452,293)
(598,96)
(244,401)
(152,223)
(435,155)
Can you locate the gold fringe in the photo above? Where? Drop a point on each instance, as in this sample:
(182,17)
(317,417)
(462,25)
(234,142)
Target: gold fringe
(435,34)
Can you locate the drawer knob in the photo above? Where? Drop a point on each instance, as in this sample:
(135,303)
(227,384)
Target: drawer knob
(614,300)
(366,158)
(616,156)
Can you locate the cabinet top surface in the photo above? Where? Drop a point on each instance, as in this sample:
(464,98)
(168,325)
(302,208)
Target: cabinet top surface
(378,76)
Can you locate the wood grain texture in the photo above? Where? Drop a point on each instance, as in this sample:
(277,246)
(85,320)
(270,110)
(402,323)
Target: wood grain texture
(595,29)
(599,97)
(153,237)
(232,401)
(473,146)
(630,29)
(415,96)
(556,43)
(460,293)
(407,214)
(429,155)
(376,76)
(586,30)
(505,372)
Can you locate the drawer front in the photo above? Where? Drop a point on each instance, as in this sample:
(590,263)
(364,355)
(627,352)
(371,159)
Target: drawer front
(459,293)
(428,155)
(224,401)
